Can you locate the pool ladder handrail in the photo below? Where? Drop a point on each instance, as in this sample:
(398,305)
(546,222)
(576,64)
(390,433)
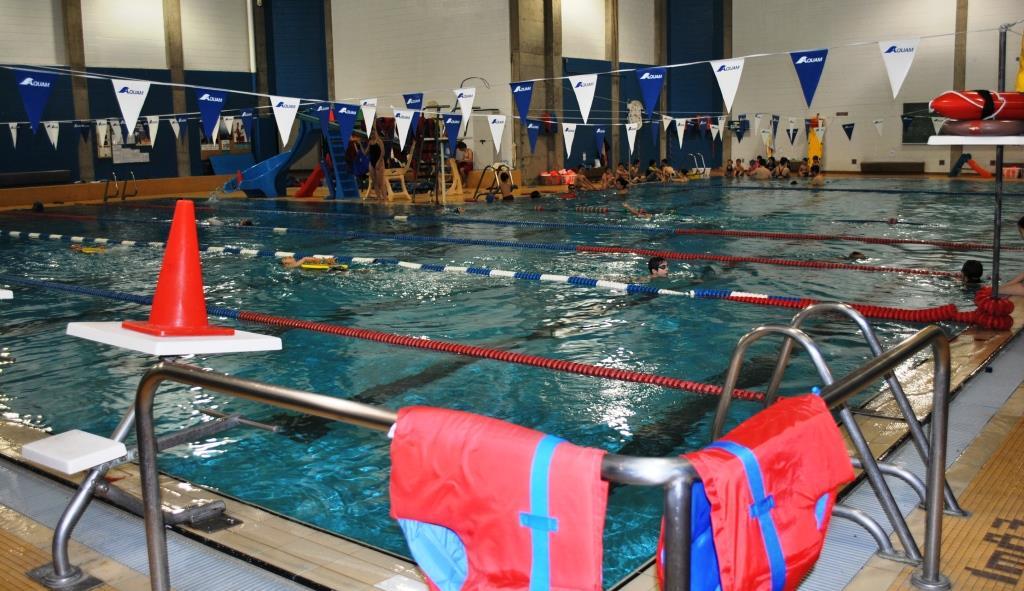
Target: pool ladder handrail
(124,187)
(495,182)
(106,188)
(873,469)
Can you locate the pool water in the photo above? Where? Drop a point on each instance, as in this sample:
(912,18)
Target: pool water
(335,476)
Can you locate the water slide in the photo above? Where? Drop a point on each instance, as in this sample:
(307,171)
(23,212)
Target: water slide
(269,177)
(966,159)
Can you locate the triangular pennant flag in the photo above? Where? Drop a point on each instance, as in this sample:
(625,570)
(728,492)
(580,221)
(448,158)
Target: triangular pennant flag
(532,130)
(83,128)
(246,124)
(721,123)
(791,132)
(716,131)
(665,122)
(211,102)
(568,133)
(728,72)
(809,65)
(52,131)
(907,122)
(584,86)
(497,125)
(403,121)
(14,133)
(229,125)
(35,89)
(154,126)
(522,92)
(681,131)
(102,133)
(937,123)
(879,125)
(848,128)
(345,117)
(898,56)
(740,131)
(452,124)
(285,110)
(131,94)
(369,108)
(176,128)
(766,139)
(757,122)
(631,129)
(465,97)
(651,81)
(414,102)
(323,113)
(775,126)
(807,128)
(820,132)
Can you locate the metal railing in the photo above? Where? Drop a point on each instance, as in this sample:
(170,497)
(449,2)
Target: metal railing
(106,187)
(675,475)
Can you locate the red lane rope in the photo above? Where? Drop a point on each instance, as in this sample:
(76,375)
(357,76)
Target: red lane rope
(498,355)
(688,256)
(846,237)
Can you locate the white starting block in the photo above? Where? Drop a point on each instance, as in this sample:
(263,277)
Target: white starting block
(6,294)
(73,451)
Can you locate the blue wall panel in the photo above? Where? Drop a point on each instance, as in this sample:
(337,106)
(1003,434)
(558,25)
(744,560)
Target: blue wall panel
(35,152)
(600,111)
(297,49)
(645,148)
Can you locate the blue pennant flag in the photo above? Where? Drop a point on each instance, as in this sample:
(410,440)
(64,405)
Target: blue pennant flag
(247,124)
(907,121)
(35,89)
(211,102)
(848,128)
(651,81)
(809,66)
(775,126)
(739,131)
(791,132)
(599,135)
(345,117)
(522,92)
(807,128)
(452,123)
(533,130)
(414,102)
(323,113)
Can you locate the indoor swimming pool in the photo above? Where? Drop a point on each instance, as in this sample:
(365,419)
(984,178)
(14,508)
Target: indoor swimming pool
(335,476)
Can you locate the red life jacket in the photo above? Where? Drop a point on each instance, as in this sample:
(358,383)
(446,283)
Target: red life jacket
(770,484)
(486,504)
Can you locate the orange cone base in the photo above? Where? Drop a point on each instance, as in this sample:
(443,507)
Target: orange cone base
(177,331)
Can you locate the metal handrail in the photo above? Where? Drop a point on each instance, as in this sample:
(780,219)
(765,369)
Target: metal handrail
(914,425)
(106,187)
(494,181)
(124,187)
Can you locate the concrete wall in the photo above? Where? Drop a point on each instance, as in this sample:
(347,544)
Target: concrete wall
(32,32)
(384,49)
(636,32)
(215,35)
(583,29)
(122,34)
(854,79)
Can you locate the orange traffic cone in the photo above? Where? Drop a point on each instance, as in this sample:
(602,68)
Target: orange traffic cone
(179,306)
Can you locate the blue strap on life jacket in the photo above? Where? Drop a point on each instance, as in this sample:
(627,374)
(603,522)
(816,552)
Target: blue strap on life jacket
(760,509)
(541,524)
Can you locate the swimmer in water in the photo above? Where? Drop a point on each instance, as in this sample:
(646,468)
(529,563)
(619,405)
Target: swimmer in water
(657,267)
(971,272)
(856,256)
(318,263)
(88,249)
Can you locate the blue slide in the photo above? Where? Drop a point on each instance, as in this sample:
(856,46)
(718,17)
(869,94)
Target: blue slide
(269,177)
(959,164)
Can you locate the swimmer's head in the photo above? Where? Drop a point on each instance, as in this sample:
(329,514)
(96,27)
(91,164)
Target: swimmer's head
(856,256)
(535,195)
(245,222)
(37,206)
(972,271)
(622,183)
(657,266)
(504,177)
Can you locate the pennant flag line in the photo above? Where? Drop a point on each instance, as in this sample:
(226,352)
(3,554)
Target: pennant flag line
(246,124)
(153,123)
(345,117)
(369,108)
(210,102)
(285,110)
(878,126)
(568,133)
(809,65)
(403,121)
(131,94)
(775,126)
(175,127)
(681,131)
(599,135)
(584,86)
(35,89)
(532,130)
(937,123)
(52,131)
(757,123)
(792,132)
(820,132)
(651,81)
(898,56)
(522,92)
(497,125)
(323,113)
(716,131)
(414,102)
(452,125)
(907,121)
(728,73)
(666,121)
(83,128)
(14,133)
(631,129)
(848,128)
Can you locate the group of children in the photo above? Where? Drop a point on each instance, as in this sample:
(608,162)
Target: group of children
(763,170)
(622,177)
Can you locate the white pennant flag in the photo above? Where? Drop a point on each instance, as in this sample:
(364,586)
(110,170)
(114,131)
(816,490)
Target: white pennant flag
(681,130)
(102,133)
(285,110)
(666,121)
(716,131)
(229,124)
(176,128)
(130,96)
(584,87)
(568,133)
(369,108)
(937,123)
(465,98)
(631,129)
(497,124)
(727,72)
(766,139)
(878,125)
(403,121)
(53,131)
(757,122)
(820,132)
(154,127)
(792,123)
(898,56)
(14,133)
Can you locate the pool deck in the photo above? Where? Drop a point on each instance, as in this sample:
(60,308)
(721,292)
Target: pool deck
(327,561)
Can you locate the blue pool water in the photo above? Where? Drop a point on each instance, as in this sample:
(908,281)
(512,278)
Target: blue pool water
(335,476)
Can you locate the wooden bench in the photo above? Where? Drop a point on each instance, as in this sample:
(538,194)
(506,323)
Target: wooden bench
(892,167)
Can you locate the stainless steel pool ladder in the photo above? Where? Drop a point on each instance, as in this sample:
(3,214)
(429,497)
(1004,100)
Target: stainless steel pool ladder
(675,475)
(61,574)
(124,187)
(106,188)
